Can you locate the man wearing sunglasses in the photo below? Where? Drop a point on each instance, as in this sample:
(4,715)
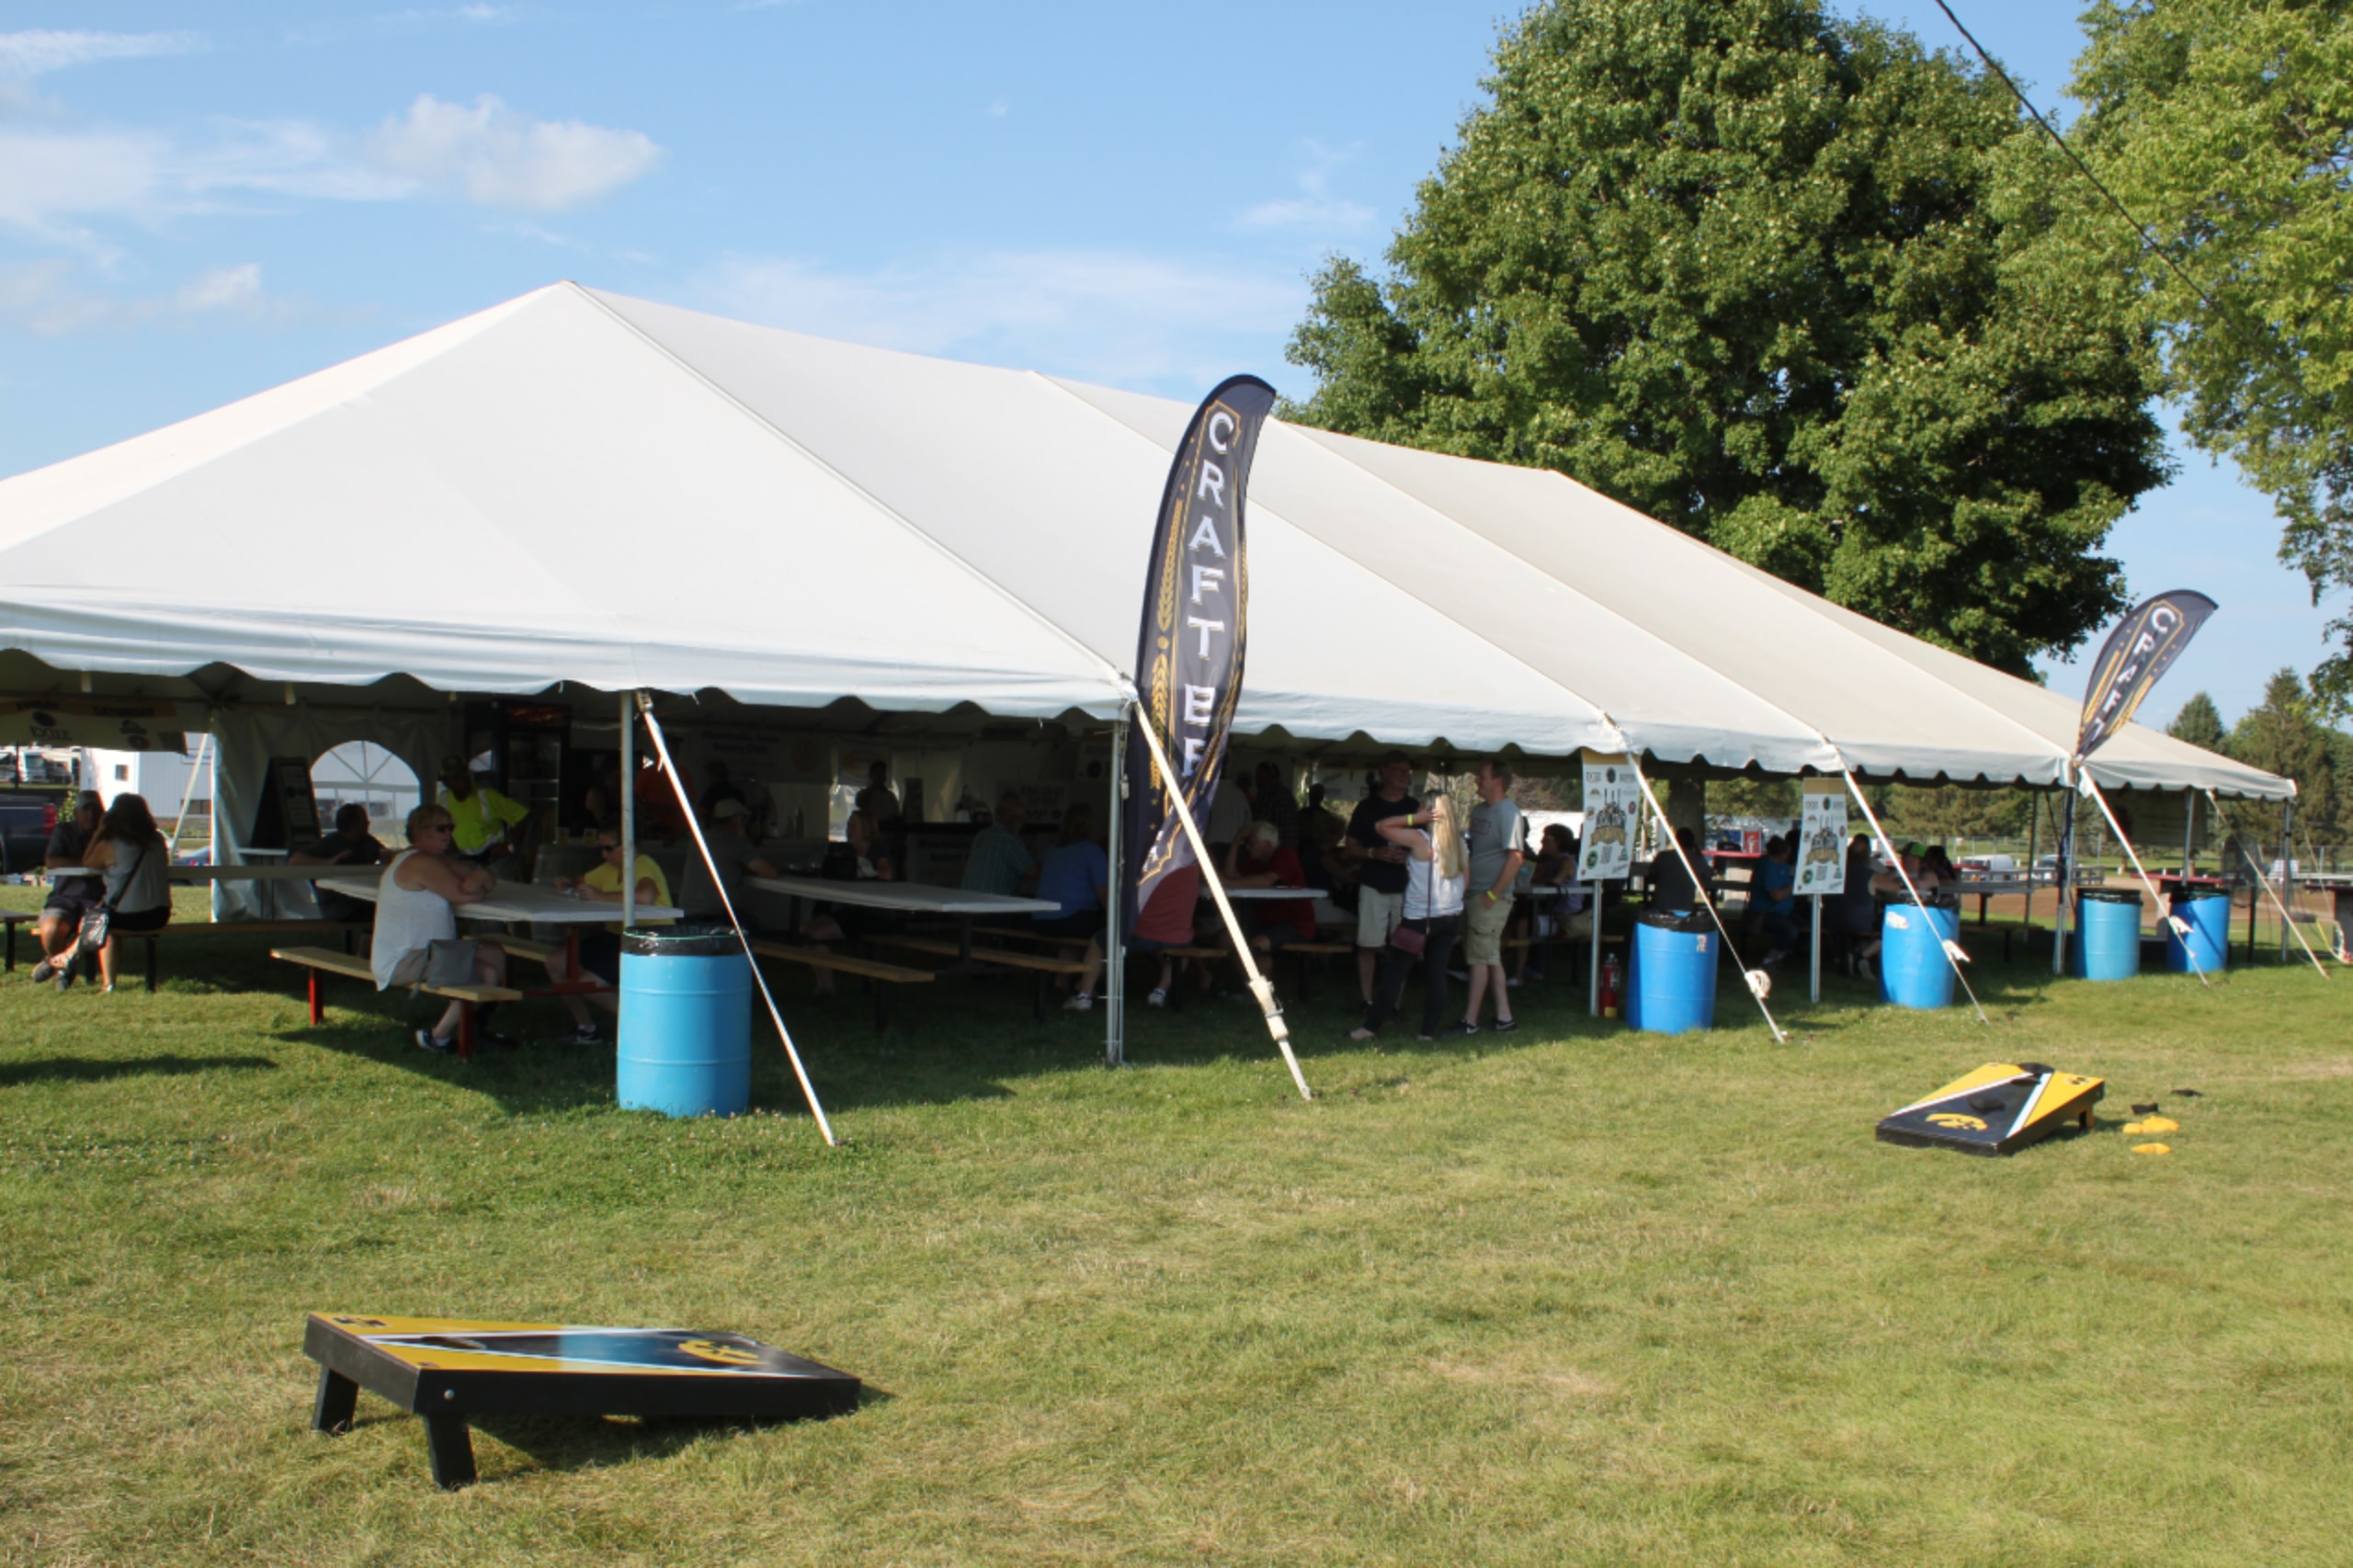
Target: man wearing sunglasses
(417,905)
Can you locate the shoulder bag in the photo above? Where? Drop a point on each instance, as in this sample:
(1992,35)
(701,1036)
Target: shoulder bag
(98,924)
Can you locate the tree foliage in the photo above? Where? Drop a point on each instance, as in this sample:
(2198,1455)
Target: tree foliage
(1780,279)
(2283,734)
(2226,126)
(2200,724)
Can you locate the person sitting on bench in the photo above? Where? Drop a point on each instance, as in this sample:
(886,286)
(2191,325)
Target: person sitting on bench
(601,951)
(417,906)
(1259,859)
(135,858)
(350,845)
(61,913)
(1076,875)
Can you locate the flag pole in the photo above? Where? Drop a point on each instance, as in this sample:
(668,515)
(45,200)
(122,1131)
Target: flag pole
(1259,986)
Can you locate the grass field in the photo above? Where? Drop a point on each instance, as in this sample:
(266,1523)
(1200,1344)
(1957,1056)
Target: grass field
(1569,1296)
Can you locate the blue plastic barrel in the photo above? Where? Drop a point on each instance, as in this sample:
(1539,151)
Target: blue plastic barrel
(1913,969)
(2107,933)
(2207,950)
(1671,975)
(686,1024)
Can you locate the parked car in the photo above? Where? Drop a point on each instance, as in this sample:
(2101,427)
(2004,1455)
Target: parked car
(27,819)
(1990,865)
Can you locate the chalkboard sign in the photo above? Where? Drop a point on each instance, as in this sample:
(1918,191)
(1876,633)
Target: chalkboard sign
(289,814)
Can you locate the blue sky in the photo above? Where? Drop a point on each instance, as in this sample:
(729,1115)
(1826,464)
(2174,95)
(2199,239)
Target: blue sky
(200,202)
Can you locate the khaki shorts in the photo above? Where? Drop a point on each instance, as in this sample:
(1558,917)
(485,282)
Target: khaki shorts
(1377,916)
(1483,928)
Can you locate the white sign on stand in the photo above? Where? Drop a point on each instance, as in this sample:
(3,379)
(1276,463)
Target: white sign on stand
(1612,816)
(1821,843)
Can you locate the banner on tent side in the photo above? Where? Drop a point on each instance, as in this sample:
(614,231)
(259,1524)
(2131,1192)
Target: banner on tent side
(1822,837)
(1613,813)
(1189,652)
(2143,647)
(110,726)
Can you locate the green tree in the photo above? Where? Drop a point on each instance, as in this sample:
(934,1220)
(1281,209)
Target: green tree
(2200,724)
(1782,280)
(2226,127)
(2283,735)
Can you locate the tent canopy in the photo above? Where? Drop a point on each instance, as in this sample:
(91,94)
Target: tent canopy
(580,487)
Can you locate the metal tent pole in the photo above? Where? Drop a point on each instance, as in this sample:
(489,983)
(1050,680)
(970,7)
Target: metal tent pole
(1814,989)
(629,810)
(2033,843)
(1115,982)
(2066,884)
(2286,873)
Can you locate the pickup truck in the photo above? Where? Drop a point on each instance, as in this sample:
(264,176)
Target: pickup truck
(27,818)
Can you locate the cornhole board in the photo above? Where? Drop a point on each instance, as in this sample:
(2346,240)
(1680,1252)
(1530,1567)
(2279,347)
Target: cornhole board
(1999,1109)
(449,1371)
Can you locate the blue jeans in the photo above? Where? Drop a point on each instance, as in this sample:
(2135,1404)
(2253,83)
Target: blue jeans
(1396,964)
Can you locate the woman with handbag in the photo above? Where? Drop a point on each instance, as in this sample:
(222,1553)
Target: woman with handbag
(1435,869)
(138,893)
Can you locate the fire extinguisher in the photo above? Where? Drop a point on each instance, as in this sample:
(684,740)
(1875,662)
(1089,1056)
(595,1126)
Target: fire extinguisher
(1609,986)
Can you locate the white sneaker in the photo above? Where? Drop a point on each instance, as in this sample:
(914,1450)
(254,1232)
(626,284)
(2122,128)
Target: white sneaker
(1158,998)
(1081,1002)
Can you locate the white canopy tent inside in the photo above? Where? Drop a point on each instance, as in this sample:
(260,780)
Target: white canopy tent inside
(576,487)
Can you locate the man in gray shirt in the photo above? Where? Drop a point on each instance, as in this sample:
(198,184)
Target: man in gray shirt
(737,857)
(1498,844)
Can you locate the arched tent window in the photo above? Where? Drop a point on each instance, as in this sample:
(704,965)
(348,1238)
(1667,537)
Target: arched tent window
(367,774)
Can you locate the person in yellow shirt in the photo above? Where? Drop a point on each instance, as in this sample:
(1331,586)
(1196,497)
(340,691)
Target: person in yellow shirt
(484,823)
(601,951)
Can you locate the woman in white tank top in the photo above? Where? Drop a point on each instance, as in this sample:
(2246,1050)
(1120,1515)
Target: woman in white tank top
(1434,879)
(417,905)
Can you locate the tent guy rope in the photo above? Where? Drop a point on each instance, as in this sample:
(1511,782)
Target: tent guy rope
(1259,986)
(687,810)
(1758,982)
(1953,953)
(2180,928)
(2286,919)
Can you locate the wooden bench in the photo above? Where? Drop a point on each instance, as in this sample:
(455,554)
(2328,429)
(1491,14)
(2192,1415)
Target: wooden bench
(1040,964)
(349,931)
(882,976)
(321,960)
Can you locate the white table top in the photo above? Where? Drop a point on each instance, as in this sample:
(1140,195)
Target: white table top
(912,898)
(519,900)
(1244,894)
(273,873)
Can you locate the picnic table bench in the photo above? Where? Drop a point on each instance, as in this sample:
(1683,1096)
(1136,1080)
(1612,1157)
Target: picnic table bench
(1041,964)
(178,931)
(322,960)
(880,975)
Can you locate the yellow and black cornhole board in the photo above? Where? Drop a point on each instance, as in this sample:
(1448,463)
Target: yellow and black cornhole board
(1999,1109)
(449,1371)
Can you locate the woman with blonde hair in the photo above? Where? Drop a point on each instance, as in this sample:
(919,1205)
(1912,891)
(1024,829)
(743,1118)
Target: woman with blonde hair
(1435,869)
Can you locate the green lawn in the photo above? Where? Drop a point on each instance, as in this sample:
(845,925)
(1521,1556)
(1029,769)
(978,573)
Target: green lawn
(1571,1296)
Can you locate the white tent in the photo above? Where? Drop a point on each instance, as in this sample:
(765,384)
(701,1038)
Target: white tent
(578,487)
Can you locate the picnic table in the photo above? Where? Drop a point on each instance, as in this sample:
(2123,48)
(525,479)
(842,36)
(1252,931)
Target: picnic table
(1986,889)
(912,898)
(520,902)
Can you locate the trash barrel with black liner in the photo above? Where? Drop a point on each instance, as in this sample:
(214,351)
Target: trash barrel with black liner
(1913,969)
(2107,933)
(1671,981)
(685,1022)
(2207,948)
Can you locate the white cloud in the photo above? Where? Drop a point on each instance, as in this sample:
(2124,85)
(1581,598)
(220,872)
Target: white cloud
(55,183)
(496,157)
(47,298)
(37,51)
(1315,207)
(1121,317)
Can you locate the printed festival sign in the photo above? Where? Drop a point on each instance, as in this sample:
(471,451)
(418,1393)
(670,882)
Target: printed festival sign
(1822,839)
(1188,653)
(1612,815)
